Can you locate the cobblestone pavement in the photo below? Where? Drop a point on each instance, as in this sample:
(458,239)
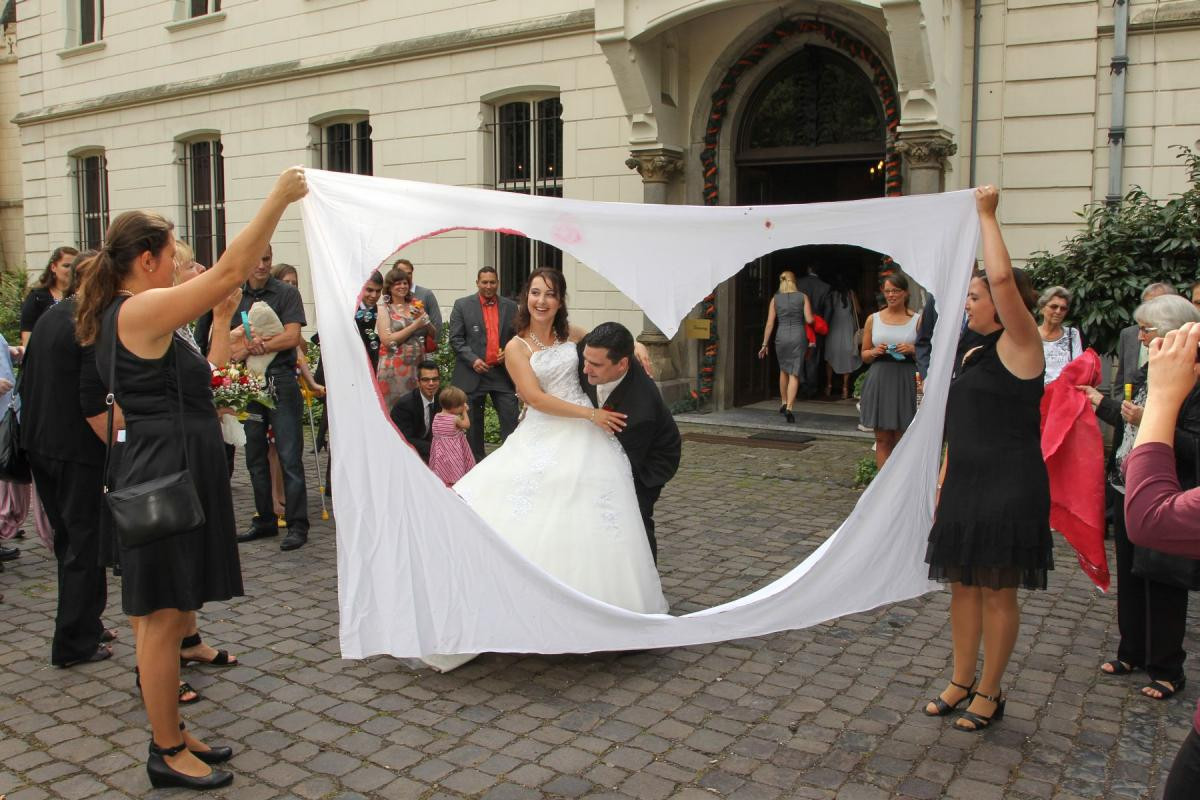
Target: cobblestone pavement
(832,711)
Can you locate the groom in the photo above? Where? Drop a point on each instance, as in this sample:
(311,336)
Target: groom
(613,379)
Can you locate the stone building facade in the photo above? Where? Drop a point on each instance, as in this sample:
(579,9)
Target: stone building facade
(193,106)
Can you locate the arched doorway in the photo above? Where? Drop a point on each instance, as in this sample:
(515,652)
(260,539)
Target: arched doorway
(814,130)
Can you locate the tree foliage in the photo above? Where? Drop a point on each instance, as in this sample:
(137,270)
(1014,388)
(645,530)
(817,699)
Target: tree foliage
(1120,250)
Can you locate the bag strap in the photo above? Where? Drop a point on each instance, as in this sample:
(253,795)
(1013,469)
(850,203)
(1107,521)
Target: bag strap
(110,398)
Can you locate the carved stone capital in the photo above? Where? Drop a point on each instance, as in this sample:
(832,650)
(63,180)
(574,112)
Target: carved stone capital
(926,150)
(656,166)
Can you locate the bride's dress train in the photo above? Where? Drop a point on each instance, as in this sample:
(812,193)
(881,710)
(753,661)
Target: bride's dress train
(560,490)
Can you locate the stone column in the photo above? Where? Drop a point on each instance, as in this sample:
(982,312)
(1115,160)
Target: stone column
(925,154)
(658,167)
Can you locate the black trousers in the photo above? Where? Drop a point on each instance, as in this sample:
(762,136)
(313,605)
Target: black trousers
(286,420)
(507,410)
(1151,616)
(647,496)
(1183,781)
(72,496)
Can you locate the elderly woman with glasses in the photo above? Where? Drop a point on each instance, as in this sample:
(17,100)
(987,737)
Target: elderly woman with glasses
(1151,615)
(1061,344)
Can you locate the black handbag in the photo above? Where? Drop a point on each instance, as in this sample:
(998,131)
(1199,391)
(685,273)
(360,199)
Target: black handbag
(1180,572)
(14,464)
(160,507)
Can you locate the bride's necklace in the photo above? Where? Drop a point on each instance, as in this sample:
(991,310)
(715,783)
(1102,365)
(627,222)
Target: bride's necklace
(539,343)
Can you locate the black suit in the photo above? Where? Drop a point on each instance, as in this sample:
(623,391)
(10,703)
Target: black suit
(409,415)
(650,438)
(468,337)
(819,297)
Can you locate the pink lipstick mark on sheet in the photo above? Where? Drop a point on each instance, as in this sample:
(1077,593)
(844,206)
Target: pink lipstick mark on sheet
(567,233)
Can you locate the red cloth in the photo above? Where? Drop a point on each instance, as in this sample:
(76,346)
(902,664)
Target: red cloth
(1074,453)
(818,327)
(491,325)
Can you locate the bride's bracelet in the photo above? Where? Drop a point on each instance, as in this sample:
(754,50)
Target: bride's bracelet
(593,417)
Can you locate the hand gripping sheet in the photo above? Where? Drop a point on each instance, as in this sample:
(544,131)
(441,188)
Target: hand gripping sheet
(420,573)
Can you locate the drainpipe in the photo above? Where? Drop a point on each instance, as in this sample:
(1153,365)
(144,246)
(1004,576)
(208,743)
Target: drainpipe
(975,89)
(1116,130)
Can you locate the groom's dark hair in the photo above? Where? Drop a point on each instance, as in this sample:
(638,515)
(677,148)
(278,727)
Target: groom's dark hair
(613,337)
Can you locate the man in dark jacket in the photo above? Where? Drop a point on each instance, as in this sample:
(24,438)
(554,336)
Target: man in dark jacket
(480,326)
(613,379)
(413,412)
(62,405)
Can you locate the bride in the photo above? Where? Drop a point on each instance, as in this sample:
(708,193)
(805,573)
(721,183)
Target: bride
(560,488)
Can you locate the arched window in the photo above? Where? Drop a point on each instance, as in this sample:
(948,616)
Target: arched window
(817,104)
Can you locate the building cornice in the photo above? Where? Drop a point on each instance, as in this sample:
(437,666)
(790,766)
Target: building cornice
(1170,17)
(392,52)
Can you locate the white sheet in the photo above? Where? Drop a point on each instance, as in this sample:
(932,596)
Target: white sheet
(420,573)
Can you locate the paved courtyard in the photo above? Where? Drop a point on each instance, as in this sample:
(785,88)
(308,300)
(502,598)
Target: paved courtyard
(828,712)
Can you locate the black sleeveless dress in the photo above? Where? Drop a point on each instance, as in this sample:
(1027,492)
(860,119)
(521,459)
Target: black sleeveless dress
(992,527)
(185,570)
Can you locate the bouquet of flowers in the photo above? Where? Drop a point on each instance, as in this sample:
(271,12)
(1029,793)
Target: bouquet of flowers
(235,387)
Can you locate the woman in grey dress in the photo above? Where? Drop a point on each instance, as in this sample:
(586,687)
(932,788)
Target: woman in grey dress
(793,310)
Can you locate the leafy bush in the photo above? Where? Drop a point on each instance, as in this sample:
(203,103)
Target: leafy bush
(865,471)
(1120,250)
(13,286)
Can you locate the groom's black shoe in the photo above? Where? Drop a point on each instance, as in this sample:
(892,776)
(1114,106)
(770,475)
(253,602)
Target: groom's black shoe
(294,540)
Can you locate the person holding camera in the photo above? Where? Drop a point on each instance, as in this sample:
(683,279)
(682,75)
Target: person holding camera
(1151,609)
(130,308)
(1158,513)
(889,395)
(405,329)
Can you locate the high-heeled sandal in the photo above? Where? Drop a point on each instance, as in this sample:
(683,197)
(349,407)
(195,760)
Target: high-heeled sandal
(185,689)
(163,775)
(789,416)
(978,720)
(783,408)
(213,755)
(221,659)
(944,708)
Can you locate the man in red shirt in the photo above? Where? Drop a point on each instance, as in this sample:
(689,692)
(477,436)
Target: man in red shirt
(480,326)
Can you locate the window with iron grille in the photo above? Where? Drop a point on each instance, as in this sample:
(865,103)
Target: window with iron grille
(91,21)
(528,160)
(204,198)
(91,190)
(345,146)
(198,8)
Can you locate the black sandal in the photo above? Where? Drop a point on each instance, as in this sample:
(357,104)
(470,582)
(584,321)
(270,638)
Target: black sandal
(944,708)
(221,659)
(1166,691)
(978,720)
(185,688)
(1117,667)
(103,653)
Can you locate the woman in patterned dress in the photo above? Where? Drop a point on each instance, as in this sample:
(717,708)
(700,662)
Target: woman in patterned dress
(402,326)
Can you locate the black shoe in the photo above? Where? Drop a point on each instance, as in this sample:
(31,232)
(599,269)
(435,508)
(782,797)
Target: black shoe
(783,409)
(213,755)
(257,533)
(789,416)
(9,553)
(294,540)
(162,776)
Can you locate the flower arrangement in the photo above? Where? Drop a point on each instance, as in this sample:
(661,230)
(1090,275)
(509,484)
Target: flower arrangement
(235,387)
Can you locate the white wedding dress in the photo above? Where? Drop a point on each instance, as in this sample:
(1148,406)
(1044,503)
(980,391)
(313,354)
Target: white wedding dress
(560,490)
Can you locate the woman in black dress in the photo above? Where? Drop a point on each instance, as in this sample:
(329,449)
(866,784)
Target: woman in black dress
(991,532)
(130,311)
(52,286)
